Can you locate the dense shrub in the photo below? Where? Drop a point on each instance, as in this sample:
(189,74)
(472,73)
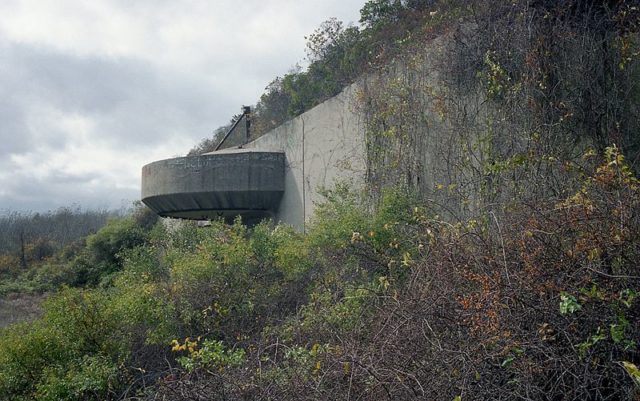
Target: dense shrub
(222,284)
(541,305)
(384,302)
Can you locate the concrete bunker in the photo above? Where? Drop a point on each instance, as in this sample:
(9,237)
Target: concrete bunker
(278,175)
(226,183)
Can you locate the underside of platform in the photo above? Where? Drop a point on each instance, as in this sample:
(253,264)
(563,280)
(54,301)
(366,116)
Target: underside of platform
(223,184)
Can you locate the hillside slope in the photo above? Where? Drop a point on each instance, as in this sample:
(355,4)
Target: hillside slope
(492,257)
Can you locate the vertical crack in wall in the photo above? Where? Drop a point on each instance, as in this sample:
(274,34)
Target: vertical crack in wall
(304,184)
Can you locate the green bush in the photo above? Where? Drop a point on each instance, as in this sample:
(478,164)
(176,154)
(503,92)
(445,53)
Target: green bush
(102,255)
(84,344)
(26,351)
(209,354)
(93,378)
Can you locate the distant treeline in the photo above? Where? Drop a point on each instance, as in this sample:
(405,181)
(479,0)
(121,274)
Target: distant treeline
(35,235)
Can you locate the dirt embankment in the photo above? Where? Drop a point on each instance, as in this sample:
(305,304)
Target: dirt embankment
(20,307)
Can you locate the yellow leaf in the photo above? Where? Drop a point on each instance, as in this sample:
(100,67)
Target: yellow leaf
(594,254)
(346,367)
(406,259)
(384,282)
(633,371)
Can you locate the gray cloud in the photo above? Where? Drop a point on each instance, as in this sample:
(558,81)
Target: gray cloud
(53,195)
(12,125)
(130,103)
(90,94)
(132,100)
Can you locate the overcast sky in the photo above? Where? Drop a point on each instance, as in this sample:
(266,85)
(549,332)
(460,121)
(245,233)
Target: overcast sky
(91,90)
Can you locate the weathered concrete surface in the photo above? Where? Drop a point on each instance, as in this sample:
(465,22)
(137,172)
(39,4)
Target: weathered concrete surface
(249,183)
(279,175)
(323,146)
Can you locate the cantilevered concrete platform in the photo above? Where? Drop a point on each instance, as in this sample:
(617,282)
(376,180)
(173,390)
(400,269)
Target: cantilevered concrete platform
(226,183)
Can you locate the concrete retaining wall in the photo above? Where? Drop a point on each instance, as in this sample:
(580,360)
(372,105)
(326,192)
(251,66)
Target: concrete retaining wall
(323,146)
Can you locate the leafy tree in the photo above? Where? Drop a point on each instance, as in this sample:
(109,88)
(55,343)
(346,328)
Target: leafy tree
(376,13)
(272,109)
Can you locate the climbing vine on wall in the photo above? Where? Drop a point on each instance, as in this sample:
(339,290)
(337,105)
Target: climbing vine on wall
(500,108)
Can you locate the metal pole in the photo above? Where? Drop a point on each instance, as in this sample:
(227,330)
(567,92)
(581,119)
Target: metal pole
(246,110)
(247,119)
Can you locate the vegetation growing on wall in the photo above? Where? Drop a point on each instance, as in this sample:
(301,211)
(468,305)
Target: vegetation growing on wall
(493,89)
(480,115)
(339,54)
